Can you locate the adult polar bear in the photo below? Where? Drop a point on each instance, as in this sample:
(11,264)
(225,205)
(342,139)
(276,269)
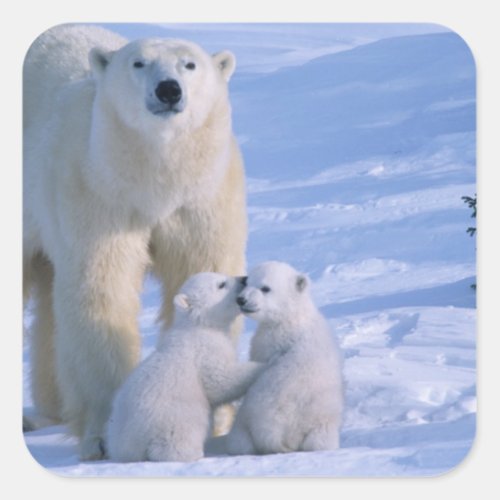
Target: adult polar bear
(129,161)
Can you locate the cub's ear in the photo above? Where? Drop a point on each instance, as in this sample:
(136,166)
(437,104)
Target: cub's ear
(225,62)
(181,301)
(301,282)
(99,60)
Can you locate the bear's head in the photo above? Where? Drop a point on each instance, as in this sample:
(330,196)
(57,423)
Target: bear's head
(153,81)
(209,299)
(274,291)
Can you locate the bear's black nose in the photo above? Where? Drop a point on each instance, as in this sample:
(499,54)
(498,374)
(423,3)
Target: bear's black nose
(169,92)
(241,301)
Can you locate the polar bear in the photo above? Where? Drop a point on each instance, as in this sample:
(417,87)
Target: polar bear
(129,162)
(296,403)
(162,411)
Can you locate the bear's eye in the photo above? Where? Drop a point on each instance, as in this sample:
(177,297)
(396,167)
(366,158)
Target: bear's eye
(265,289)
(190,65)
(221,285)
(138,64)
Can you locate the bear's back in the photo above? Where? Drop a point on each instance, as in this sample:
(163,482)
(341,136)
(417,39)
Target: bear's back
(58,56)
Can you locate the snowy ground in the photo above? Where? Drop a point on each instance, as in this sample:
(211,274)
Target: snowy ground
(359,144)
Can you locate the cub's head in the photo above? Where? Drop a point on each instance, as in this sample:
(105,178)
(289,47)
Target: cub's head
(273,291)
(154,80)
(209,299)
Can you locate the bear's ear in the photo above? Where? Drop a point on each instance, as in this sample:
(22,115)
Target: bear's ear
(301,282)
(181,301)
(225,63)
(99,60)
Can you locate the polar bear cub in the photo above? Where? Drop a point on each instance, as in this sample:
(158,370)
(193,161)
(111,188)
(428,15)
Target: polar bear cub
(296,403)
(162,411)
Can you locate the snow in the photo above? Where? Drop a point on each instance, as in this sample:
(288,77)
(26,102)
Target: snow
(359,143)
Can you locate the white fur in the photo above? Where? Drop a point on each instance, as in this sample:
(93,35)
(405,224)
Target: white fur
(162,412)
(296,403)
(110,187)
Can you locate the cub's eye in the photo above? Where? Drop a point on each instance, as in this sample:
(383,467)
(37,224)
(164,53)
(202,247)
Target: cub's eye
(265,289)
(190,65)
(138,64)
(221,285)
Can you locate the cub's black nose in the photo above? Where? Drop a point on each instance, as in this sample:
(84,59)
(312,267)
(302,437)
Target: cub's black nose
(169,92)
(241,301)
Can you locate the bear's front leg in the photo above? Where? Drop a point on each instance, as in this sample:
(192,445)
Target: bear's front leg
(208,235)
(96,302)
(200,239)
(228,382)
